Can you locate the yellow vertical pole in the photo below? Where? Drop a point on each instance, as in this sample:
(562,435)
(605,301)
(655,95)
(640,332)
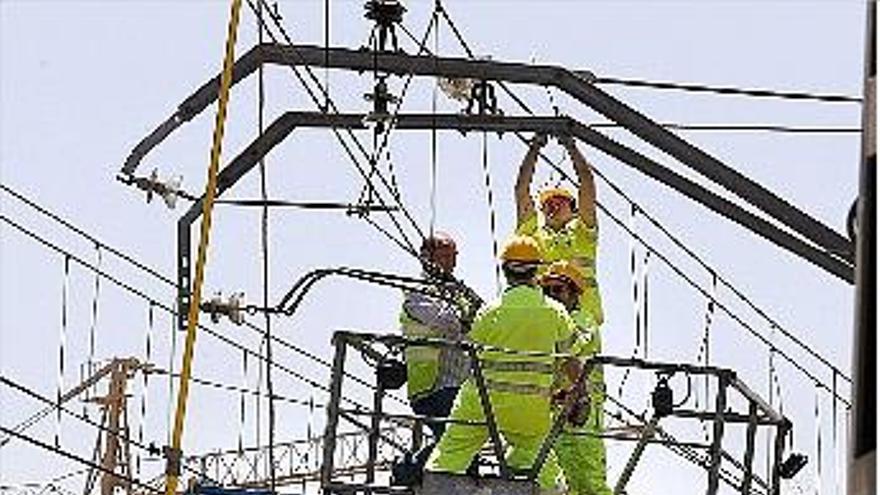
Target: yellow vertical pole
(172,469)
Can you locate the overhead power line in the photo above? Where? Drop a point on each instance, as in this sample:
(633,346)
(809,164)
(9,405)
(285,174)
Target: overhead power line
(69,455)
(728,90)
(742,128)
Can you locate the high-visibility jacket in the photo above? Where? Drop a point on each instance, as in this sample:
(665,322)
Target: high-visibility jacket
(519,385)
(527,321)
(581,453)
(430,368)
(574,242)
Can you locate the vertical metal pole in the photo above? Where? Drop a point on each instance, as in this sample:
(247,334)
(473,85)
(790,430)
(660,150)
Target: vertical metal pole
(862,469)
(375,425)
(749,457)
(778,449)
(480,382)
(717,435)
(336,376)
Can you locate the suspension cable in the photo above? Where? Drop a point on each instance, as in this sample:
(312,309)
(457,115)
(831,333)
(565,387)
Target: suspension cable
(138,293)
(110,249)
(656,223)
(336,132)
(487,176)
(729,90)
(76,458)
(264,250)
(62,338)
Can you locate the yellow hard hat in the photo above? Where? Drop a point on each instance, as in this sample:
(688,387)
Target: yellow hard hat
(522,249)
(567,271)
(555,192)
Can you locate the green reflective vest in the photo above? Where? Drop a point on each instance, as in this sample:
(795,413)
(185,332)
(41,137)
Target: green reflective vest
(575,242)
(527,321)
(422,362)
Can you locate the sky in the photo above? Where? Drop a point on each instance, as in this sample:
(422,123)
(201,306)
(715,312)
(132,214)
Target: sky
(81,82)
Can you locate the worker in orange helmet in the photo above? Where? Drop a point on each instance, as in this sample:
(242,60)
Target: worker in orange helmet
(565,227)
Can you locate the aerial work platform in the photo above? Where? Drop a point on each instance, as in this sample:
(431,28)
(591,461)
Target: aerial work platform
(721,466)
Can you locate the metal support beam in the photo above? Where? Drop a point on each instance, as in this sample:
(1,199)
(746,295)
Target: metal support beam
(778,450)
(749,456)
(375,426)
(629,469)
(578,85)
(717,436)
(285,125)
(333,409)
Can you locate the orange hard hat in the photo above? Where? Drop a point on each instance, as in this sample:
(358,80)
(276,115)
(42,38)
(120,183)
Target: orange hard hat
(522,249)
(567,271)
(555,192)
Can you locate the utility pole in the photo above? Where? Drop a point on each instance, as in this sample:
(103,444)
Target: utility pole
(863,434)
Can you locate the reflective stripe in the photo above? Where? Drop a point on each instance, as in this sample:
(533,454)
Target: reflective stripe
(422,354)
(531,366)
(412,328)
(518,388)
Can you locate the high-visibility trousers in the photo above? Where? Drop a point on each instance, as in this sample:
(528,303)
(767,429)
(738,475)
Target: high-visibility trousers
(582,458)
(524,422)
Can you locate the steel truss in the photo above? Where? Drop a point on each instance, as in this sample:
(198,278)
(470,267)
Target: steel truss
(803,235)
(717,461)
(296,462)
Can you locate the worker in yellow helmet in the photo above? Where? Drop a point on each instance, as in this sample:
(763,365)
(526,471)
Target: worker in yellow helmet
(519,386)
(566,228)
(580,450)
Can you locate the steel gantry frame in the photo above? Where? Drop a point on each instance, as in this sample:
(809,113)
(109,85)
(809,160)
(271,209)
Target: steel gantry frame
(744,480)
(792,230)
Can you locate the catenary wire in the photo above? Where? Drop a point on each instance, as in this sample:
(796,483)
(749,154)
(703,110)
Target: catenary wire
(680,244)
(727,90)
(284,343)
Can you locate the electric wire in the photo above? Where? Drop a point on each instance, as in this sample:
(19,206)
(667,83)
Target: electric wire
(679,243)
(346,147)
(83,418)
(739,128)
(166,308)
(264,251)
(422,47)
(656,223)
(106,247)
(490,200)
(94,323)
(338,135)
(62,338)
(43,211)
(76,458)
(727,90)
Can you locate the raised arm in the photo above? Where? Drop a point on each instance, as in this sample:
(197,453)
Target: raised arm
(524,204)
(587,188)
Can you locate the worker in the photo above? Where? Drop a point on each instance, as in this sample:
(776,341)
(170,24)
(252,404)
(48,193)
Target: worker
(434,374)
(566,228)
(579,447)
(519,386)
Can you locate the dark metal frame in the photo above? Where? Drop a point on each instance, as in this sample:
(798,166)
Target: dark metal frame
(826,248)
(759,414)
(284,125)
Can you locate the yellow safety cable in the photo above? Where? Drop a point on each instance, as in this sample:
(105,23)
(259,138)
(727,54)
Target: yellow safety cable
(172,469)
